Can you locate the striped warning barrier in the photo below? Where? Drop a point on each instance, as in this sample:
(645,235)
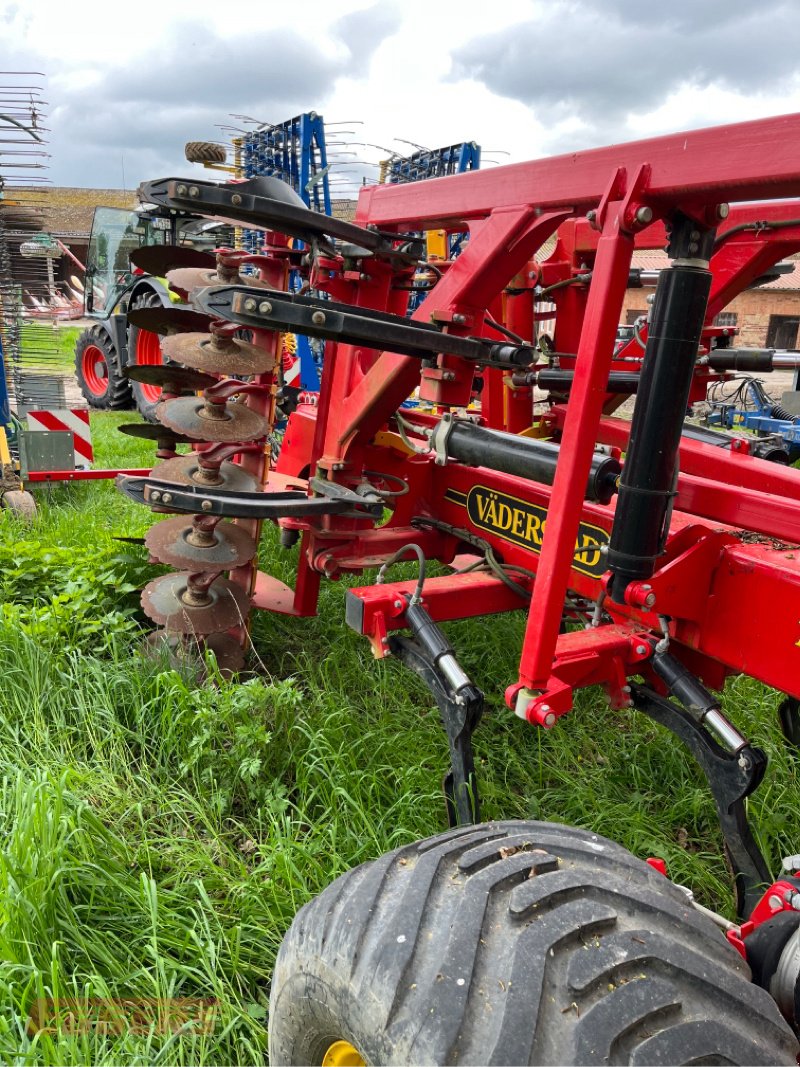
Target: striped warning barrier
(74,420)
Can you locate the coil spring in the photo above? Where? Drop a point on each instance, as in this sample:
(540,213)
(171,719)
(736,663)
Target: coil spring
(777,412)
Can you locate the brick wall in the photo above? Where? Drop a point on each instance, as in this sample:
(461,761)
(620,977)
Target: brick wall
(753,310)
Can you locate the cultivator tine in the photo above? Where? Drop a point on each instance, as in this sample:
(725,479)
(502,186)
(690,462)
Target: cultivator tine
(732,776)
(166,439)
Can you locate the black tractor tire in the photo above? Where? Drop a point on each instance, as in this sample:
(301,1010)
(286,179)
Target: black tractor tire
(144,346)
(204,152)
(20,502)
(98,371)
(515,943)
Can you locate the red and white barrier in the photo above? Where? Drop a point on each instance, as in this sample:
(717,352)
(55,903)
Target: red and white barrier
(74,420)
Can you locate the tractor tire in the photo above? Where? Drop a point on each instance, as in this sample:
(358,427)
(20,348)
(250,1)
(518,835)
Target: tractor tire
(515,943)
(144,348)
(20,502)
(204,152)
(98,372)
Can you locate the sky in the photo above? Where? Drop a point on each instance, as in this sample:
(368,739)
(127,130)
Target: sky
(127,85)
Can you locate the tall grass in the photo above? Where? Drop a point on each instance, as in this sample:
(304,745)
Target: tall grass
(156,837)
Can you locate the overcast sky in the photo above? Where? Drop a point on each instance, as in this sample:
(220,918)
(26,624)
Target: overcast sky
(127,85)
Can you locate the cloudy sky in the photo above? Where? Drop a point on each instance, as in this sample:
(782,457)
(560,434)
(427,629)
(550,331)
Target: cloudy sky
(127,85)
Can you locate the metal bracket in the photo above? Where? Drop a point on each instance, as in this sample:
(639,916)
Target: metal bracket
(460,717)
(731,778)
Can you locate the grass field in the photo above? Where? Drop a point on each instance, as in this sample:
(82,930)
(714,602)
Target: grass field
(156,838)
(46,347)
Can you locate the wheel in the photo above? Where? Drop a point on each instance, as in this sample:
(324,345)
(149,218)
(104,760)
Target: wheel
(515,943)
(204,152)
(98,371)
(20,502)
(144,347)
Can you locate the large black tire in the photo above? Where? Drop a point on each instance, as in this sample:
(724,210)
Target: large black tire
(516,943)
(144,347)
(97,369)
(204,152)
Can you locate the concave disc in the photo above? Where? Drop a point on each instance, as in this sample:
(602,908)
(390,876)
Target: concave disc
(184,653)
(183,471)
(227,607)
(158,259)
(148,431)
(169,542)
(230,357)
(171,379)
(187,279)
(185,414)
(168,320)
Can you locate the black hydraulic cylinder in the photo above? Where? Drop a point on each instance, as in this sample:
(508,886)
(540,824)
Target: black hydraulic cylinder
(560,381)
(646,487)
(750,359)
(525,458)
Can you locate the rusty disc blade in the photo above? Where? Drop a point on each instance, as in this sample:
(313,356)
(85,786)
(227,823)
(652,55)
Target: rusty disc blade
(229,357)
(163,601)
(149,431)
(158,259)
(186,470)
(187,279)
(171,543)
(168,320)
(188,415)
(171,379)
(184,653)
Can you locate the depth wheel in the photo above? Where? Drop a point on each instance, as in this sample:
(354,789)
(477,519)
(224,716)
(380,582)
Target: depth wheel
(515,943)
(98,372)
(20,502)
(144,349)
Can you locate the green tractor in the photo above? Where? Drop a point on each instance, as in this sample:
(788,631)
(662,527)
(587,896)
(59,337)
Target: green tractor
(113,289)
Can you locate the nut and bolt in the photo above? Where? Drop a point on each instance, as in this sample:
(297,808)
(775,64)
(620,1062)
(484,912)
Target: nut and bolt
(193,190)
(250,304)
(166,498)
(459,320)
(448,376)
(181,190)
(641,650)
(548,713)
(723,210)
(155,495)
(650,600)
(318,318)
(236,200)
(591,217)
(206,505)
(265,307)
(644,214)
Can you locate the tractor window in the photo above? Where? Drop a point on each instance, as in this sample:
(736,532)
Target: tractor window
(115,234)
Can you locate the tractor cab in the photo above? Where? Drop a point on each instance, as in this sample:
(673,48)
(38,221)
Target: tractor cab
(117,232)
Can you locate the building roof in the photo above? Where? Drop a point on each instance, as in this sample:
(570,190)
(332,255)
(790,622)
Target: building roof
(68,210)
(657,260)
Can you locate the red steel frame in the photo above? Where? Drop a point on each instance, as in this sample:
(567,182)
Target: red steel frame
(708,571)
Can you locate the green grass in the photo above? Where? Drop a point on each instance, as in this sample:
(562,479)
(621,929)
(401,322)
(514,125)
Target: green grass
(156,838)
(48,347)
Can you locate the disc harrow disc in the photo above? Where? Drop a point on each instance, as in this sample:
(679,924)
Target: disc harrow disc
(228,356)
(184,653)
(186,470)
(171,379)
(164,600)
(189,415)
(228,546)
(158,259)
(168,320)
(148,431)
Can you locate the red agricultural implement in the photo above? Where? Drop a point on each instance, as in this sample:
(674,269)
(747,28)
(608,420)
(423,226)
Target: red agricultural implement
(634,543)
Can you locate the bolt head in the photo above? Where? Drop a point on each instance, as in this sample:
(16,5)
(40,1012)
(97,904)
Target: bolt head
(249,304)
(723,210)
(181,190)
(644,214)
(265,307)
(206,505)
(641,650)
(549,720)
(155,495)
(459,320)
(318,318)
(649,600)
(194,190)
(236,200)
(166,498)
